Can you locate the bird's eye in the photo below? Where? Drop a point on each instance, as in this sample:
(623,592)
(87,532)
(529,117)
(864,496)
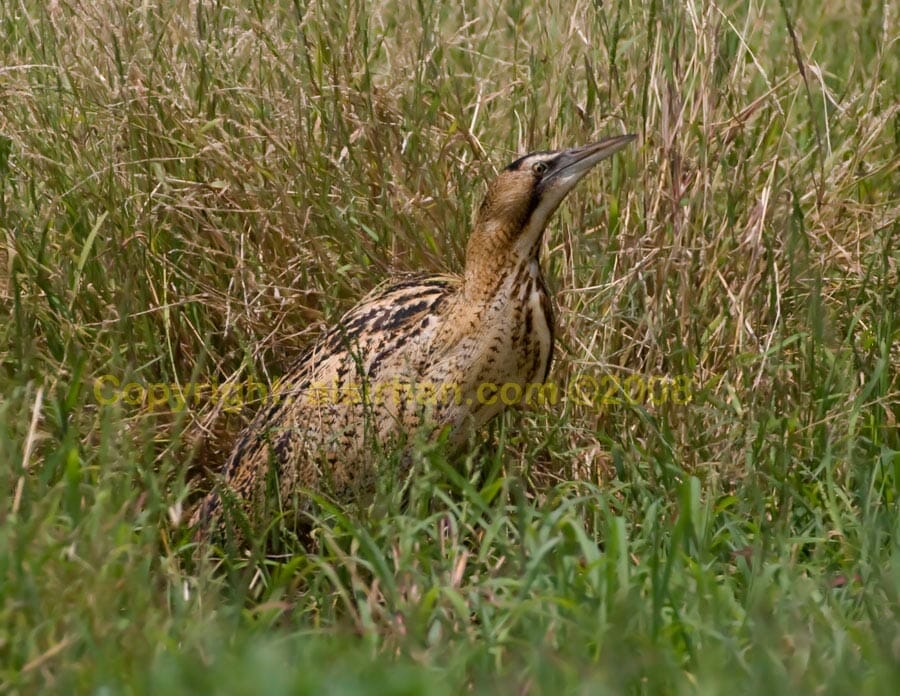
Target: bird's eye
(539,168)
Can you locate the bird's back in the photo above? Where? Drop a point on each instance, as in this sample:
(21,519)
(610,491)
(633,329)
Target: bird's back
(352,389)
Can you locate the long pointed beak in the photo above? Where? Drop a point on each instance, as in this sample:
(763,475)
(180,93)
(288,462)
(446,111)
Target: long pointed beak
(571,165)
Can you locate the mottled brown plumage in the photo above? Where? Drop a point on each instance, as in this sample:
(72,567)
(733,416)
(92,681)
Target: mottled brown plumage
(366,381)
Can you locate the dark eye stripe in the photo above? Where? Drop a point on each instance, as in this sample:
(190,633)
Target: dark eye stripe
(515,166)
(518,163)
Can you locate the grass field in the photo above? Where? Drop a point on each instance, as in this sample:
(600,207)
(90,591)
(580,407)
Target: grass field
(190,191)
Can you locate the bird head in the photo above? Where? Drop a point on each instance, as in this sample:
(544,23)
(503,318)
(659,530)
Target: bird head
(521,199)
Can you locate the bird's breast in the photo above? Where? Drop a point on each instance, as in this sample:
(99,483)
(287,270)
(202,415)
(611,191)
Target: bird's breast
(513,340)
(537,320)
(542,306)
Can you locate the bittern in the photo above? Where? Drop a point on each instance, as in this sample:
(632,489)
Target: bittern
(361,383)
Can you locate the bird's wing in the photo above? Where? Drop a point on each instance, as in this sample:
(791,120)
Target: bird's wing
(391,317)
